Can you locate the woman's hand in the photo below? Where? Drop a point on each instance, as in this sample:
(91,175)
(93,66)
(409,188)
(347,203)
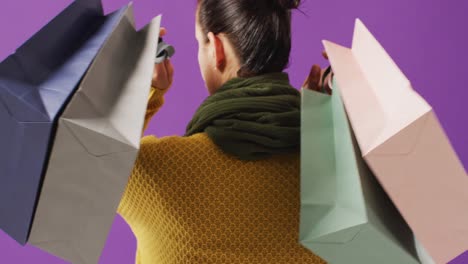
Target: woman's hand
(164,72)
(314,80)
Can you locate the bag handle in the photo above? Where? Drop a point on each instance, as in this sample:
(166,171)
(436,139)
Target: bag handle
(164,51)
(325,74)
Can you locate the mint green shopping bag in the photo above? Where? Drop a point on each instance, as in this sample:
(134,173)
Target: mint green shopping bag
(346,217)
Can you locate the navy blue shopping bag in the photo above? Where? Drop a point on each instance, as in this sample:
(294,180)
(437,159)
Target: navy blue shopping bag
(35,84)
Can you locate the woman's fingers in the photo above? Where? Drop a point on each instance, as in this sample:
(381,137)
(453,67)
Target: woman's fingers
(162,32)
(170,71)
(308,79)
(160,76)
(325,55)
(163,72)
(313,81)
(163,75)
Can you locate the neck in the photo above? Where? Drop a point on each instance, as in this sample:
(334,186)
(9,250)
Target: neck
(225,76)
(229,74)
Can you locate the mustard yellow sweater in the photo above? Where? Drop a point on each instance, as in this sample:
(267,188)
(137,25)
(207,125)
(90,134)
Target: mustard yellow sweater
(188,202)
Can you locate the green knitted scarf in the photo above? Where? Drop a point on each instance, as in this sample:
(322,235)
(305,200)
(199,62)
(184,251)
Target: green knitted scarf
(251,118)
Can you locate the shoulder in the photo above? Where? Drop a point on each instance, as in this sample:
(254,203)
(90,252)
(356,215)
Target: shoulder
(175,143)
(177,147)
(199,148)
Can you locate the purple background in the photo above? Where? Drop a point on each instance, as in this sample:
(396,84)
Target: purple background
(427,39)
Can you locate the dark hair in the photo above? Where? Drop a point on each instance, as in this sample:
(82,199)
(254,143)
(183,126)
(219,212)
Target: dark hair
(260,31)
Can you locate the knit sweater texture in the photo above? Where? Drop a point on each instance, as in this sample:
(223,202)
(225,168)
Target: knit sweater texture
(188,202)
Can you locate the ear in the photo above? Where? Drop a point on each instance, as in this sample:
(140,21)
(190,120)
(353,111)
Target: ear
(217,50)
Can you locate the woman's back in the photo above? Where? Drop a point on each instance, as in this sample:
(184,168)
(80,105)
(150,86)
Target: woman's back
(188,202)
(228,191)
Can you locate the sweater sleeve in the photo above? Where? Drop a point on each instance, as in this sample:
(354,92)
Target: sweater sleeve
(155,102)
(135,185)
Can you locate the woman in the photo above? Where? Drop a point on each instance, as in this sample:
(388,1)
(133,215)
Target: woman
(228,191)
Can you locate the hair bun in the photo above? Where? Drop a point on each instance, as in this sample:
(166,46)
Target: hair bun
(288,4)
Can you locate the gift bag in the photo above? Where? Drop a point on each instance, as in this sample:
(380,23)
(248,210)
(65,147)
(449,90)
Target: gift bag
(97,141)
(35,83)
(345,215)
(404,144)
